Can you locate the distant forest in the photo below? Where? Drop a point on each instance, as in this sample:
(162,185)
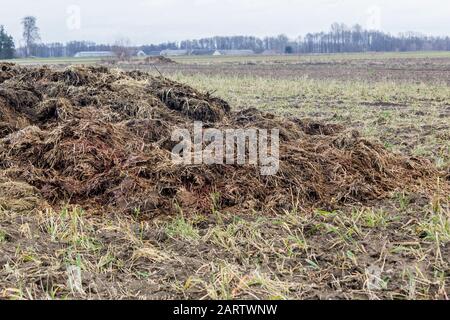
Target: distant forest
(339,39)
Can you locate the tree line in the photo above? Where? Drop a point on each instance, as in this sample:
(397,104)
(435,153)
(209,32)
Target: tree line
(339,39)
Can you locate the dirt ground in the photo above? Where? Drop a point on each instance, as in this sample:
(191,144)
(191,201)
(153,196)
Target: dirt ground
(415,70)
(392,247)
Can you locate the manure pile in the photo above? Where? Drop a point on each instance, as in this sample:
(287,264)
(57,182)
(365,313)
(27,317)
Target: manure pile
(101,139)
(159,60)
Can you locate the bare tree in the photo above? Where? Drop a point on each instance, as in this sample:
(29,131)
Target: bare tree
(30,33)
(122,48)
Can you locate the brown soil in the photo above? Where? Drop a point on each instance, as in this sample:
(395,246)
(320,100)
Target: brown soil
(397,70)
(100,139)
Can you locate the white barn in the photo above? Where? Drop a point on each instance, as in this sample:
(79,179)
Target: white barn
(141,54)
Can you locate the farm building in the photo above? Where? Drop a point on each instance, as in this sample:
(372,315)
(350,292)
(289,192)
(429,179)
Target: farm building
(141,54)
(233,53)
(174,53)
(153,53)
(94,54)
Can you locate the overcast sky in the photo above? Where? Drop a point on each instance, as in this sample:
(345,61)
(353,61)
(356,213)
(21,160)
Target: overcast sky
(154,21)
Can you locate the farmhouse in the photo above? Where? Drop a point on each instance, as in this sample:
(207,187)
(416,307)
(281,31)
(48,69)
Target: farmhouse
(94,54)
